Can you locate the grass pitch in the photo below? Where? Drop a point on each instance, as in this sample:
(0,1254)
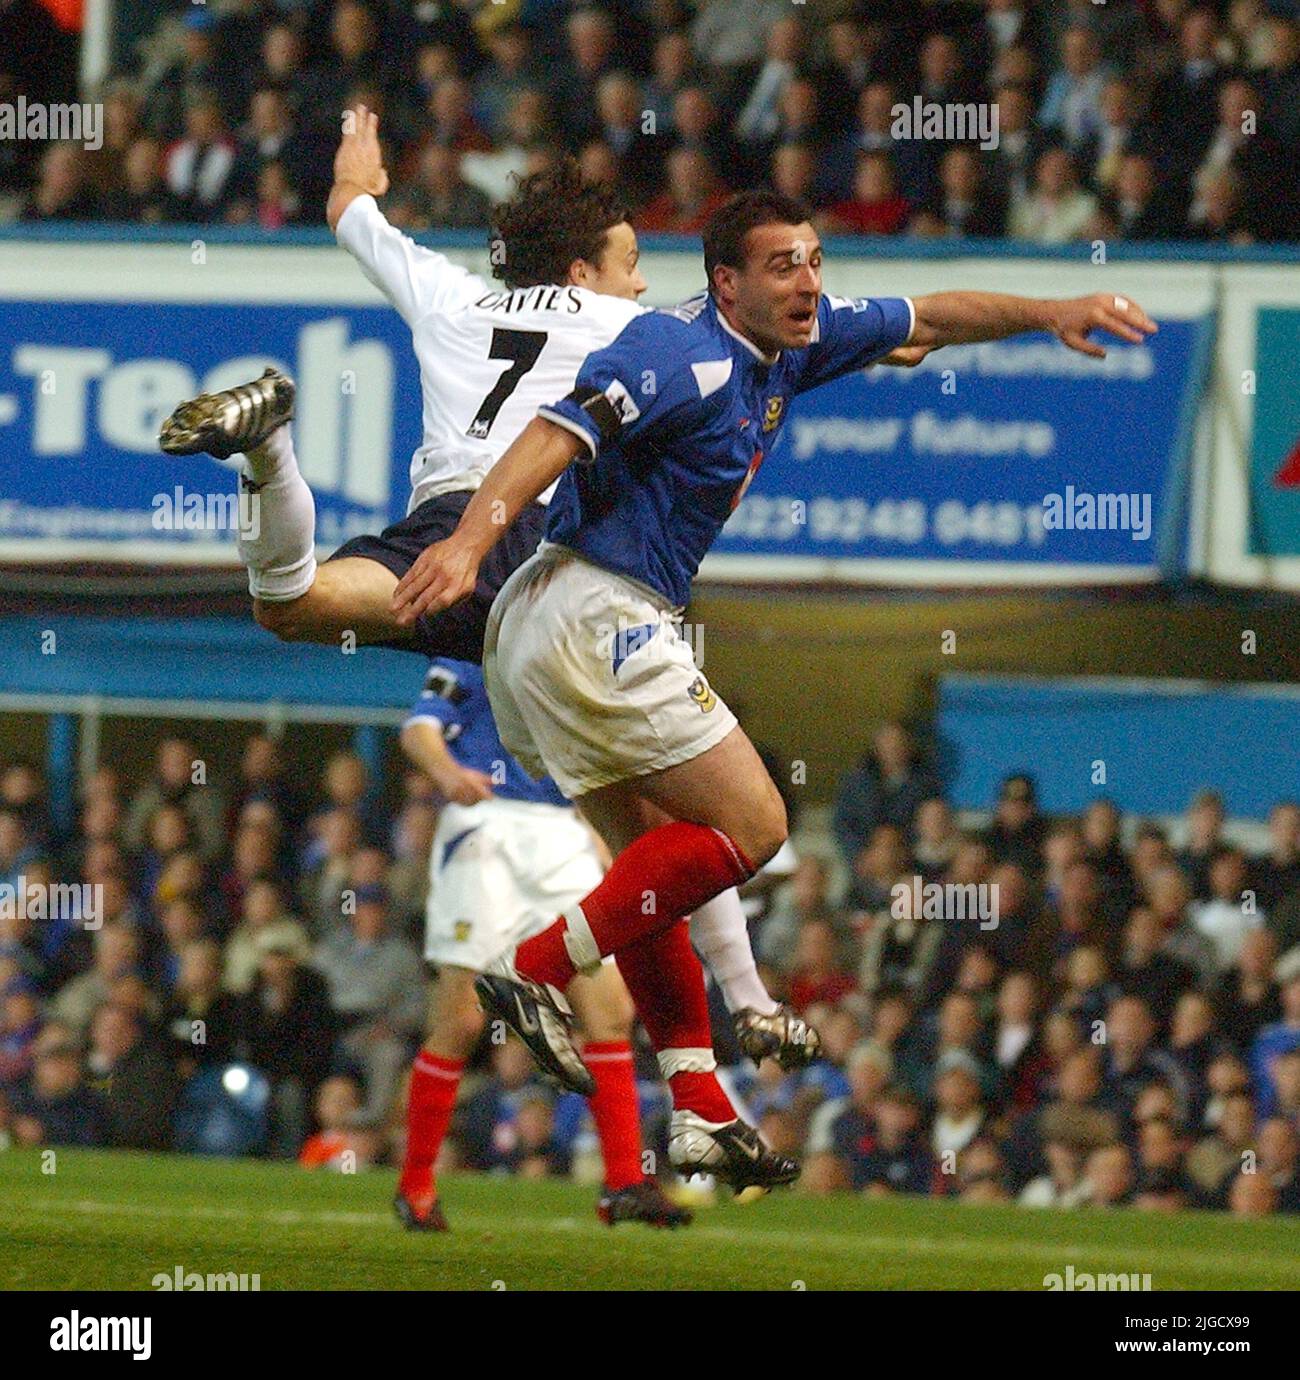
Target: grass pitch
(105,1220)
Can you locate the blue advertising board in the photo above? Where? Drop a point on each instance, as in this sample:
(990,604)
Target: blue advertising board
(84,387)
(1017,451)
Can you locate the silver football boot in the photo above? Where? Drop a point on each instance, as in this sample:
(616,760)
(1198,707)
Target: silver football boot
(231,422)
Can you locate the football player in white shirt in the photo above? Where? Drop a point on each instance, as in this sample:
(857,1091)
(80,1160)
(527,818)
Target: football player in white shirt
(489,357)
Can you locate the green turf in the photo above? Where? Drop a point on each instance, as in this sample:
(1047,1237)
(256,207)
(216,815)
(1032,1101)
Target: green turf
(104,1220)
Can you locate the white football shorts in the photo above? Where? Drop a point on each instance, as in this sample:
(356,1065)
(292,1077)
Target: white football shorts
(590,678)
(501,871)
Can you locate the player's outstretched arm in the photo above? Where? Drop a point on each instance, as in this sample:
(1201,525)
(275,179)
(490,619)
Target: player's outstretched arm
(445,572)
(963,318)
(358,165)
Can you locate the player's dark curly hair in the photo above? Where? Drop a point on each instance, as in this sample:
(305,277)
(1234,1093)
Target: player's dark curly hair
(553,218)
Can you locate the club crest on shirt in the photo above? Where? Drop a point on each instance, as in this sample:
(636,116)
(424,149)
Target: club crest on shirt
(699,691)
(772,413)
(461,930)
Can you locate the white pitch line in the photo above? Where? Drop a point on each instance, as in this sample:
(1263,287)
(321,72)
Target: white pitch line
(1056,1253)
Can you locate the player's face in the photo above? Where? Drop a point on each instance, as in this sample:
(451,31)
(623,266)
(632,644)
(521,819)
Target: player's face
(774,297)
(615,273)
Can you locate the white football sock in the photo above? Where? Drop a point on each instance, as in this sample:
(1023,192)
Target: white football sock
(721,938)
(277,536)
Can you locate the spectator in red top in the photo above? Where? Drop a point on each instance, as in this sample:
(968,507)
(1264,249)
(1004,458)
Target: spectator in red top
(876,207)
(694,193)
(816,974)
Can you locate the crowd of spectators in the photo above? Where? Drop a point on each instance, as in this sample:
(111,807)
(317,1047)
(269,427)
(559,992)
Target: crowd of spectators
(1080,1011)
(1133,120)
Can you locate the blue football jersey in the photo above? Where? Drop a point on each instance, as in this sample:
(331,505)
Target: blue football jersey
(455,698)
(678,413)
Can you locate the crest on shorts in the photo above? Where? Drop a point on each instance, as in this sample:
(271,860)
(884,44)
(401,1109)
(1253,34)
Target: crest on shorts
(772,413)
(699,691)
(460,931)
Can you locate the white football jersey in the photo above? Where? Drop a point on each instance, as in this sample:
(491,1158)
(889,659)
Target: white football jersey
(489,357)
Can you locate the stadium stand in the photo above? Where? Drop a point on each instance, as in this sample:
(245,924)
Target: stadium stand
(1126,1029)
(1151,120)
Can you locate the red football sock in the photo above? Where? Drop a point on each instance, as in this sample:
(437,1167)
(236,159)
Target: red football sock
(434,1081)
(666,981)
(658,877)
(615,1111)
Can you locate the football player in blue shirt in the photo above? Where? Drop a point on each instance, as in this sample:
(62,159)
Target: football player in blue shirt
(508,855)
(588,675)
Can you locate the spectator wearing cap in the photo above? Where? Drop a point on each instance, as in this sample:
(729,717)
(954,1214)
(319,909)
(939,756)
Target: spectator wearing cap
(135,1080)
(1282,1037)
(56,1107)
(287,1030)
(376,988)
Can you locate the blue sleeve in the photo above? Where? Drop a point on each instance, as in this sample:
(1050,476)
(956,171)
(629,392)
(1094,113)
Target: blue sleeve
(851,333)
(443,698)
(633,385)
